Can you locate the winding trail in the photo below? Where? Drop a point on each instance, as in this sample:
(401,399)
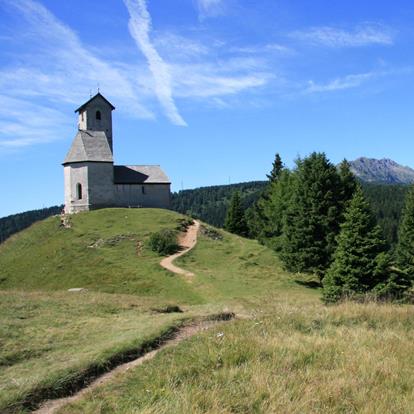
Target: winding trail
(187,331)
(187,242)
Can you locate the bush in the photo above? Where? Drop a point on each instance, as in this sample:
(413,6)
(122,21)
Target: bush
(164,242)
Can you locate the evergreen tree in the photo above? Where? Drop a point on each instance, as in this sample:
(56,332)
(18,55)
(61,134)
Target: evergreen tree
(235,219)
(274,209)
(276,170)
(405,246)
(313,216)
(360,263)
(265,219)
(348,182)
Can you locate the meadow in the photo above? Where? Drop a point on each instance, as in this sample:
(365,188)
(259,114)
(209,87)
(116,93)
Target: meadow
(286,351)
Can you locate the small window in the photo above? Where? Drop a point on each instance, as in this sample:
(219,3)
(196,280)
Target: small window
(82,116)
(98,115)
(79,191)
(143,189)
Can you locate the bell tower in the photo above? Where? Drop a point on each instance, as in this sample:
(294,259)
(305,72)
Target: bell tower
(96,115)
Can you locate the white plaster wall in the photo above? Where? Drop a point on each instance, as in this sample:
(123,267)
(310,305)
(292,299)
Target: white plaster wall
(82,120)
(131,195)
(74,174)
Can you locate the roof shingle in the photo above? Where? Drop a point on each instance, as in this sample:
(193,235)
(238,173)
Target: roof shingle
(139,174)
(89,146)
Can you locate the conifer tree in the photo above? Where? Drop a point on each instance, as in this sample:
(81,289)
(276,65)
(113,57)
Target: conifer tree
(235,219)
(405,246)
(360,263)
(277,168)
(348,181)
(313,216)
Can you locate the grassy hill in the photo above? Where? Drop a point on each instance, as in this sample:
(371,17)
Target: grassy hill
(289,353)
(51,337)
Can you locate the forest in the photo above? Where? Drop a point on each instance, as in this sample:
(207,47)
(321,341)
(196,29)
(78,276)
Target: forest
(17,222)
(210,204)
(319,220)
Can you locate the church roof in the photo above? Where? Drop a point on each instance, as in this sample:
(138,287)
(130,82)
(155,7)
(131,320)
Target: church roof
(89,146)
(98,95)
(140,174)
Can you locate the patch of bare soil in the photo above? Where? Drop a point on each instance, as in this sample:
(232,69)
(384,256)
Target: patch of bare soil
(187,242)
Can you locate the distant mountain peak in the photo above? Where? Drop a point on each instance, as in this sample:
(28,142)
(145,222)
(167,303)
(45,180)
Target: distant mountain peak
(382,171)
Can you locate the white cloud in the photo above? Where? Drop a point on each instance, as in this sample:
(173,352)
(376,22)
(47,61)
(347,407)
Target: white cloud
(24,123)
(55,69)
(346,82)
(140,27)
(210,8)
(269,48)
(363,35)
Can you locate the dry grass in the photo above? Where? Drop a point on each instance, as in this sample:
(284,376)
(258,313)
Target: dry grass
(354,358)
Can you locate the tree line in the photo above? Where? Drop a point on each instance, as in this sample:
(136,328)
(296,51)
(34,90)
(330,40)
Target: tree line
(17,222)
(210,204)
(319,220)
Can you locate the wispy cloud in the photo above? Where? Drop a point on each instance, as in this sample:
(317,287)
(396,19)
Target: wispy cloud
(140,27)
(210,8)
(346,82)
(55,70)
(23,123)
(363,35)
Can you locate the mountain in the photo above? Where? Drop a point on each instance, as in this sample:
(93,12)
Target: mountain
(382,171)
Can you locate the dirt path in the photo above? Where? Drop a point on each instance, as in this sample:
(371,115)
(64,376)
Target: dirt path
(51,406)
(187,242)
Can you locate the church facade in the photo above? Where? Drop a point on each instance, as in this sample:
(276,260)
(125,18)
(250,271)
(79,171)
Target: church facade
(92,180)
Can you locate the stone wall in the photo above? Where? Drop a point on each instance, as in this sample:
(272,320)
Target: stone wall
(101,184)
(99,191)
(142,195)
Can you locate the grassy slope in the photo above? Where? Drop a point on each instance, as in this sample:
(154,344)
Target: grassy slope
(295,355)
(48,257)
(50,335)
(289,359)
(48,340)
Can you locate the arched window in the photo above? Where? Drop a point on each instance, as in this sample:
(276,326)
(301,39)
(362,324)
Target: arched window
(79,191)
(98,115)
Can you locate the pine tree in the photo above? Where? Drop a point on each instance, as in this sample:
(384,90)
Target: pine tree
(405,246)
(274,209)
(235,219)
(348,182)
(313,216)
(276,170)
(360,262)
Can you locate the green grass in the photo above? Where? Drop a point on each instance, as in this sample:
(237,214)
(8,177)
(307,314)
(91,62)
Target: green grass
(288,359)
(49,336)
(47,341)
(291,355)
(49,257)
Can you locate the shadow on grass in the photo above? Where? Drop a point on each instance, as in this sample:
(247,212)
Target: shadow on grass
(311,284)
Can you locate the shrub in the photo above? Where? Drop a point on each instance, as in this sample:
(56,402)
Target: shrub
(164,242)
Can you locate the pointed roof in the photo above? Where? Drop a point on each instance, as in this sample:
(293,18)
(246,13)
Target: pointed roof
(98,95)
(89,146)
(140,174)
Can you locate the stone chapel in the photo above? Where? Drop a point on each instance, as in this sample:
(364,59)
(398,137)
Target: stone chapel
(92,180)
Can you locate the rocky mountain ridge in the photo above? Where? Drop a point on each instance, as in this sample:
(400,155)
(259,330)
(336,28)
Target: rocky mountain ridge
(382,171)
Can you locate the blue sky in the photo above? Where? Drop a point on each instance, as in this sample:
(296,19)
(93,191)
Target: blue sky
(209,89)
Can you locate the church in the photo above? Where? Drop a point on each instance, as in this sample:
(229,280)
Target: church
(92,180)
